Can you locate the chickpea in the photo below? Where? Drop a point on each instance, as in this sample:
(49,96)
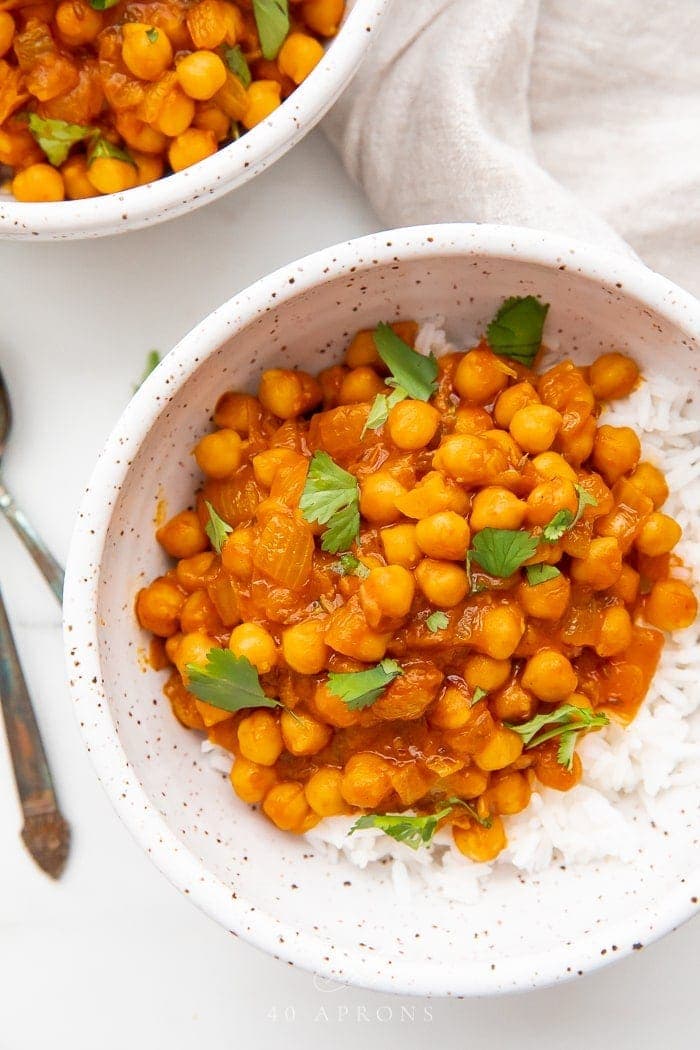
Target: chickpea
(480,376)
(671,605)
(304,648)
(431,494)
(323,16)
(601,566)
(361,384)
(302,734)
(139,135)
(219,454)
(323,792)
(472,419)
(615,632)
(535,427)
(190,147)
(112,175)
(236,412)
(550,676)
(451,710)
(174,118)
(211,118)
(659,534)
(262,98)
(387,591)
(612,376)
(401,546)
(332,709)
(201,74)
(552,773)
(512,703)
(483,672)
(7,32)
(75,179)
(502,627)
(442,582)
(194,648)
(349,633)
(366,781)
(444,535)
(545,601)
(551,465)
(146,50)
(299,54)
(501,439)
(183,536)
(627,586)
(199,614)
(651,482)
(511,400)
(39,183)
(616,451)
(288,394)
(148,167)
(469,459)
(260,738)
(577,446)
(250,781)
(237,552)
(77,22)
(158,607)
(412,424)
(191,572)
(481,844)
(496,508)
(509,792)
(378,493)
(286,806)
(254,643)
(267,463)
(548,498)
(362,350)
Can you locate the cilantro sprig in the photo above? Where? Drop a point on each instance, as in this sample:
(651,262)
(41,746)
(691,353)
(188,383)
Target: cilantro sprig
(564,520)
(102,147)
(216,528)
(516,330)
(360,689)
(412,830)
(413,373)
(228,681)
(348,565)
(381,407)
(272,20)
(237,63)
(500,552)
(540,573)
(331,497)
(57,136)
(437,621)
(478,695)
(566,721)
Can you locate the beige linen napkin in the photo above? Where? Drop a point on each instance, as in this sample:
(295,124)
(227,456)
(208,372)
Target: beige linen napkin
(576,116)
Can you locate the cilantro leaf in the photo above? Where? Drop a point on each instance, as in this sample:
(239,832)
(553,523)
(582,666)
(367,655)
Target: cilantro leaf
(564,520)
(216,528)
(331,497)
(437,621)
(500,552)
(152,362)
(537,574)
(566,721)
(485,822)
(381,407)
(102,147)
(57,136)
(237,63)
(516,330)
(272,20)
(411,830)
(103,5)
(478,695)
(152,34)
(360,689)
(349,565)
(229,682)
(412,372)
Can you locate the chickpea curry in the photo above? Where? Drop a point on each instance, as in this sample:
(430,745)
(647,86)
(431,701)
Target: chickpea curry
(99,96)
(410,586)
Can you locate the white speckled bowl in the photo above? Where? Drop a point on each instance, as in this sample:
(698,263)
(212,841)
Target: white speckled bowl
(225,170)
(259,883)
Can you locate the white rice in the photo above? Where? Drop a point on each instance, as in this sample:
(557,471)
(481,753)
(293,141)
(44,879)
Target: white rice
(626,771)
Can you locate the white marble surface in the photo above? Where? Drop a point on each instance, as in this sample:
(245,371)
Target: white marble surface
(112,956)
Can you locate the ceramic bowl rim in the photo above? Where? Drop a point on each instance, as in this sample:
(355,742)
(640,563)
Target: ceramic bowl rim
(216,175)
(82,584)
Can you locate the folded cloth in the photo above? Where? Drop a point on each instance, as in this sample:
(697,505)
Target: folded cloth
(581,118)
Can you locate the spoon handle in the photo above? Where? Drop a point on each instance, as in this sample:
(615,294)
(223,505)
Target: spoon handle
(45,833)
(44,559)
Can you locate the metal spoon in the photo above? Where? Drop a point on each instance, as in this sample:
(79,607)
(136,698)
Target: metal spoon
(48,566)
(45,833)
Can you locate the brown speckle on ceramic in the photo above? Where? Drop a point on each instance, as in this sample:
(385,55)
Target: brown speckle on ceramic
(337,920)
(224,171)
